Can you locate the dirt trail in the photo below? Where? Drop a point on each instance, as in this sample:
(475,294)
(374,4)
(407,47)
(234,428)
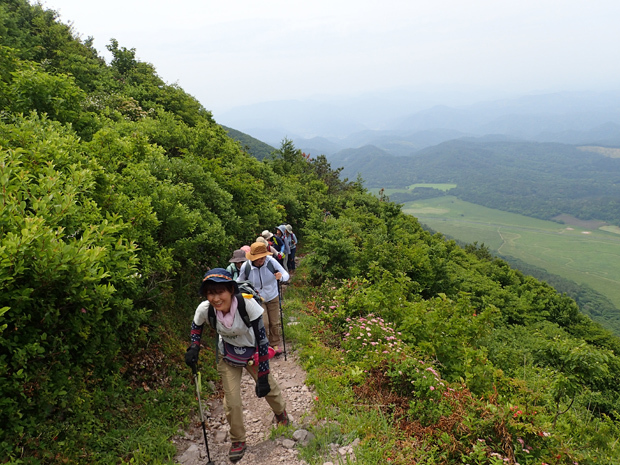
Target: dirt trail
(259,422)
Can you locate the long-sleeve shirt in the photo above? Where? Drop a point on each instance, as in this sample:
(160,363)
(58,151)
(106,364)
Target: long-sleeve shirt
(263,280)
(238,334)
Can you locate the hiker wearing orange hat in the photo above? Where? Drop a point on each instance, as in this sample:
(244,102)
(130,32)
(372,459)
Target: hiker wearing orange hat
(264,272)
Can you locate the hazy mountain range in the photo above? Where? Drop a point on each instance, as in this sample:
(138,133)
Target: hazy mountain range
(403,126)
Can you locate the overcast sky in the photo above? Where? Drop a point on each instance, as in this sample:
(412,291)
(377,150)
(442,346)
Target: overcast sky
(234,52)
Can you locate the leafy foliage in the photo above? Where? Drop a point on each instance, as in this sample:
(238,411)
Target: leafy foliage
(118,191)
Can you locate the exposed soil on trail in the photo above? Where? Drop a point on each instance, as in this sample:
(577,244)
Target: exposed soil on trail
(259,422)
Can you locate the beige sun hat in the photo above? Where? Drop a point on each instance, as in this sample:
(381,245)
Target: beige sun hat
(257,250)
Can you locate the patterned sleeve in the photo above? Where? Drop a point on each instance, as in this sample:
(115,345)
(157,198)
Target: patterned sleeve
(263,349)
(196,333)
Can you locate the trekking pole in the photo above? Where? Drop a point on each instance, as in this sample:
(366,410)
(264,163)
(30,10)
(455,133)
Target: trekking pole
(202,417)
(282,320)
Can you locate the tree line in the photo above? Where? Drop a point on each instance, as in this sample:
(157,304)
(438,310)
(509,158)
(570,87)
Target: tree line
(541,180)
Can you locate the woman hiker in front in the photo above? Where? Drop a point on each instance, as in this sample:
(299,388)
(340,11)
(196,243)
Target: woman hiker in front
(237,343)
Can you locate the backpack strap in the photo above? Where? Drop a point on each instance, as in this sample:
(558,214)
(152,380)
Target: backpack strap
(246,319)
(271,267)
(211,316)
(245,269)
(243,313)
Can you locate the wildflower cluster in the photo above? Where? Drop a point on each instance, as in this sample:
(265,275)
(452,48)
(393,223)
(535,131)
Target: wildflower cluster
(371,337)
(430,396)
(330,309)
(520,413)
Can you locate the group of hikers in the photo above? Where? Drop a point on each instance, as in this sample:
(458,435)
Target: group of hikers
(249,332)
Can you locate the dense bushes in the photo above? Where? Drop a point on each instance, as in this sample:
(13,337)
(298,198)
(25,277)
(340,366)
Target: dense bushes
(118,191)
(66,276)
(511,360)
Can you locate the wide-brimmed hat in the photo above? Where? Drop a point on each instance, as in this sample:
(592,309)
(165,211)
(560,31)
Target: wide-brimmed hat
(217,275)
(266,234)
(262,240)
(289,228)
(257,250)
(238,256)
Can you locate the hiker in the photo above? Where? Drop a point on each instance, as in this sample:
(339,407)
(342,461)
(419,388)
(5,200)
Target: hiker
(285,250)
(291,257)
(269,246)
(277,244)
(237,342)
(264,272)
(236,261)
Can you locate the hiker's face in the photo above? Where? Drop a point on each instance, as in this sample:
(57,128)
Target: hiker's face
(259,262)
(238,265)
(220,297)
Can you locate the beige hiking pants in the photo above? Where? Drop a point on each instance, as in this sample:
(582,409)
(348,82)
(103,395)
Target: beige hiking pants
(271,320)
(233,408)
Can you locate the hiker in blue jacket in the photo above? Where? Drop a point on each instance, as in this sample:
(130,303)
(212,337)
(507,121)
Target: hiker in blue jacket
(282,233)
(293,247)
(277,243)
(239,324)
(264,272)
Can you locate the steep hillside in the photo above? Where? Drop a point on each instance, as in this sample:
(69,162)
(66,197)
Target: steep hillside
(254,147)
(119,191)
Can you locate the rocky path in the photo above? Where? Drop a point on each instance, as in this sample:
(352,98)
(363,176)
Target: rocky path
(259,422)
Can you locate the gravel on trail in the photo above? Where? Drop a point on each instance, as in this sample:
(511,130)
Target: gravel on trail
(259,422)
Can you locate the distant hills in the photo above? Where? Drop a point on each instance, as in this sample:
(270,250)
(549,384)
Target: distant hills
(536,179)
(402,127)
(519,154)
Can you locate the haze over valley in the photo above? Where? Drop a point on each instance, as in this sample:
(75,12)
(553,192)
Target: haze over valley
(400,123)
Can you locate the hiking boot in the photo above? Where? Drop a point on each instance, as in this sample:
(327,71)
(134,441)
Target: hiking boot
(283,419)
(236,451)
(278,351)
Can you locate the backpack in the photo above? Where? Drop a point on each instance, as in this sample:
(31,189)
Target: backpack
(278,243)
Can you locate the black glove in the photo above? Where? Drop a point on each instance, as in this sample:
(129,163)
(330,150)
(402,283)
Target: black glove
(262,386)
(191,356)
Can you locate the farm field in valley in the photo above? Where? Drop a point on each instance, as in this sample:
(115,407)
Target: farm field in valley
(585,256)
(439,186)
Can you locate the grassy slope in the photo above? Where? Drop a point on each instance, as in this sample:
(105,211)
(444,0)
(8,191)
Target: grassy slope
(584,258)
